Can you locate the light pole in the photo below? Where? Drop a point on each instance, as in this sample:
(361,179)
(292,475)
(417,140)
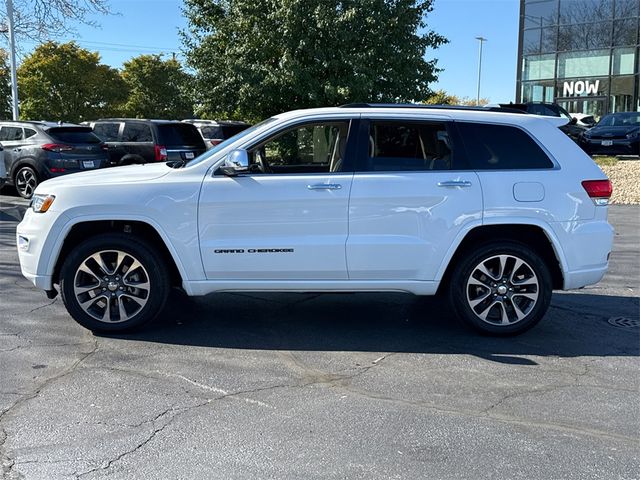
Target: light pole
(481,40)
(12,59)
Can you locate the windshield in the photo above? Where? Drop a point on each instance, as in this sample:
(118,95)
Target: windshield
(631,119)
(73,135)
(209,153)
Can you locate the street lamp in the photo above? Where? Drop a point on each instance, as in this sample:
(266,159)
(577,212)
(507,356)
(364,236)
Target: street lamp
(12,58)
(481,40)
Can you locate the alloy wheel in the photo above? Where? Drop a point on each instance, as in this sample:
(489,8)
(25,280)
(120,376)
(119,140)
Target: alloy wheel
(502,290)
(111,286)
(26,182)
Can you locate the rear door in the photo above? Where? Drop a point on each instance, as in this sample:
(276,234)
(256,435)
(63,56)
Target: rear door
(412,195)
(12,140)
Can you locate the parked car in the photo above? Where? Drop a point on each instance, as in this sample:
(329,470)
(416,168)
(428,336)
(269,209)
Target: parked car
(494,210)
(134,140)
(584,119)
(614,134)
(36,151)
(214,132)
(571,128)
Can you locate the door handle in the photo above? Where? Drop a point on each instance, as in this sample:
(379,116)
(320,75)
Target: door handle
(325,186)
(455,183)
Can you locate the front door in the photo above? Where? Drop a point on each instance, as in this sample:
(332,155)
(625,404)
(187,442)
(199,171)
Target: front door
(410,199)
(286,218)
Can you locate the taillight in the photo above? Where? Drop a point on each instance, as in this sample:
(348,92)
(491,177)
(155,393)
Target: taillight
(598,190)
(56,147)
(215,142)
(161,153)
(104,146)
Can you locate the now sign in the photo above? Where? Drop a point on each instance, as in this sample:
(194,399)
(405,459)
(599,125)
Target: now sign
(579,87)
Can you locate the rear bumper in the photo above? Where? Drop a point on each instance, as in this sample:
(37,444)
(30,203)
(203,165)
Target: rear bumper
(586,248)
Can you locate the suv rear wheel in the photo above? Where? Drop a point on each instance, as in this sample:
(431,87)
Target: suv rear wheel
(25,181)
(501,288)
(114,283)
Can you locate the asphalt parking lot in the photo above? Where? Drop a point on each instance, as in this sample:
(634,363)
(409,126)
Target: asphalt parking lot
(301,386)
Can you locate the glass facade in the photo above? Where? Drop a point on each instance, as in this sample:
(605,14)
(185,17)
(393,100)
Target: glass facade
(581,54)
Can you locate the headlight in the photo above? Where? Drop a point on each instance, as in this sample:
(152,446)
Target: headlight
(41,203)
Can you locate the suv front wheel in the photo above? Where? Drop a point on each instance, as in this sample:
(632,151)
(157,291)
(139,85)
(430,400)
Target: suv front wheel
(501,288)
(114,282)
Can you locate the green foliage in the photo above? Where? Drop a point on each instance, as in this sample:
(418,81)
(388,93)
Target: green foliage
(5,87)
(255,58)
(440,97)
(68,83)
(157,88)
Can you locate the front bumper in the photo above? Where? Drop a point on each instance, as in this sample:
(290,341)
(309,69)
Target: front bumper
(36,236)
(618,147)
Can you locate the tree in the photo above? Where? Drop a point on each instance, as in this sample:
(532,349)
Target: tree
(5,87)
(66,82)
(157,88)
(440,97)
(39,19)
(254,58)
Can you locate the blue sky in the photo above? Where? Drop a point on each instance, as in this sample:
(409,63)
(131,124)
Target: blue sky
(151,26)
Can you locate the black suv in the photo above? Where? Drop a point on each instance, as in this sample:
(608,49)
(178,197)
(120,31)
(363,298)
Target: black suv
(132,140)
(36,151)
(572,129)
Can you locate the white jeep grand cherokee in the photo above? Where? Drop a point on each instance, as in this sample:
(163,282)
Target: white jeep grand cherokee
(493,209)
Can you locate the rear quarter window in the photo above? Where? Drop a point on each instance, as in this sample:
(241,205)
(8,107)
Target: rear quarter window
(179,135)
(501,147)
(73,135)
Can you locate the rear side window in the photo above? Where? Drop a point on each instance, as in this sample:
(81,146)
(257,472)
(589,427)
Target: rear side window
(73,135)
(136,132)
(108,132)
(10,133)
(29,132)
(179,135)
(501,147)
(408,146)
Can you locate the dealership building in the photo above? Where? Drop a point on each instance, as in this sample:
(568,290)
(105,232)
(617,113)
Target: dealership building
(581,54)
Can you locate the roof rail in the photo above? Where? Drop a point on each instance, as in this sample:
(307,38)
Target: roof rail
(491,108)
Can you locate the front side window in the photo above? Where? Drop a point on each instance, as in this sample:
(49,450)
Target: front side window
(107,131)
(408,146)
(501,147)
(310,148)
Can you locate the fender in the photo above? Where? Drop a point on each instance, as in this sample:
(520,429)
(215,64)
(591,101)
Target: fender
(546,228)
(56,247)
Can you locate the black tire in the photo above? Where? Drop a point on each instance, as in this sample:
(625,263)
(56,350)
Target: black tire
(25,181)
(474,294)
(141,291)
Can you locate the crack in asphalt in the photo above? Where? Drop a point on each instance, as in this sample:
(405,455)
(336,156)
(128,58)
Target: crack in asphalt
(43,306)
(7,460)
(156,430)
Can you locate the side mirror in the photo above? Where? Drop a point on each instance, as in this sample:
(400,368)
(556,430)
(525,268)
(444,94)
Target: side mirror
(573,121)
(236,162)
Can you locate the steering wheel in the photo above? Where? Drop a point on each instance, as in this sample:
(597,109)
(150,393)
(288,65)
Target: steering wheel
(261,164)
